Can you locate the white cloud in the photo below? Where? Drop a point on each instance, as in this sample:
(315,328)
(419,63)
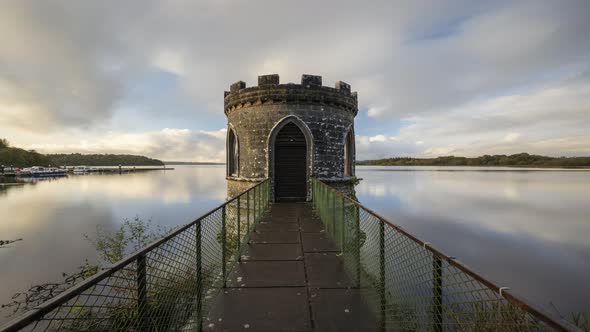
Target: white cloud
(511,137)
(458,70)
(549,121)
(377,138)
(170,61)
(168,144)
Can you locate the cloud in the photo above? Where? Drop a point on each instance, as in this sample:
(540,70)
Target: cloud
(546,121)
(511,137)
(167,144)
(68,66)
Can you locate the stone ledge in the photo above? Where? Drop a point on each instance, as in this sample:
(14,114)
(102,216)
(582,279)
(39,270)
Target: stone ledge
(310,91)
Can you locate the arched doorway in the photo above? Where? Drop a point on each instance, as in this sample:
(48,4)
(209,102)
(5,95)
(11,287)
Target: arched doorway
(290,164)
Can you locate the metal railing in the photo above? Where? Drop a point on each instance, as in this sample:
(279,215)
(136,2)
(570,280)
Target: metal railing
(167,286)
(412,286)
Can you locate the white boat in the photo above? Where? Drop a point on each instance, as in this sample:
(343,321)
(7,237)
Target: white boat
(81,169)
(40,171)
(85,169)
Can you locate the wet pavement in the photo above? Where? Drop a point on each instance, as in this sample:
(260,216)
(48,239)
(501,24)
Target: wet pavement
(290,278)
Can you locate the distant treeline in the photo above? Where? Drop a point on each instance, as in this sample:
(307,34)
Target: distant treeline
(102,160)
(16,157)
(516,160)
(19,157)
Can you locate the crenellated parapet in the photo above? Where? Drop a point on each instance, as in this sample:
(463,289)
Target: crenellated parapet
(310,91)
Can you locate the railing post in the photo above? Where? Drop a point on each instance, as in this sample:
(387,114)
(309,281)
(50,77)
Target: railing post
(239,230)
(357,217)
(327,208)
(321,202)
(267,189)
(223,245)
(199,277)
(142,293)
(248,210)
(382,272)
(254,202)
(313,197)
(342,225)
(333,215)
(437,293)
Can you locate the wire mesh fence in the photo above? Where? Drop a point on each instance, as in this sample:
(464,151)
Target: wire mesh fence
(167,286)
(412,286)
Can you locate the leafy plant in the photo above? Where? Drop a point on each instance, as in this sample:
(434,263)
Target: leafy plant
(581,320)
(133,235)
(38,294)
(111,247)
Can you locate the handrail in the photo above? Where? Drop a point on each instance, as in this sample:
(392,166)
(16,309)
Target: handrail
(262,194)
(555,322)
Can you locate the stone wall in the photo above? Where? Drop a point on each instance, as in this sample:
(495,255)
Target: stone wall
(254,114)
(328,127)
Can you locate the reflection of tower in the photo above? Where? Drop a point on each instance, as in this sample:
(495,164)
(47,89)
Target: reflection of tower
(290,133)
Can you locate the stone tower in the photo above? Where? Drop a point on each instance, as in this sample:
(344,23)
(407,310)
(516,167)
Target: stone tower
(289,133)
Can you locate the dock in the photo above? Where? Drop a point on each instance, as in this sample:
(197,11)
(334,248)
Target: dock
(290,278)
(122,169)
(93,170)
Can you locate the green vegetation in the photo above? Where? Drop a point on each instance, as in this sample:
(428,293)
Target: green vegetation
(103,160)
(19,157)
(16,157)
(171,290)
(111,248)
(581,320)
(133,235)
(515,160)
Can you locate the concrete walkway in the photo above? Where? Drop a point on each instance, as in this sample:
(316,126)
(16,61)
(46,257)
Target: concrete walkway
(291,278)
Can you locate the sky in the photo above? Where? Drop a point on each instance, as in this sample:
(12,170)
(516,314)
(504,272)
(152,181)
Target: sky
(434,78)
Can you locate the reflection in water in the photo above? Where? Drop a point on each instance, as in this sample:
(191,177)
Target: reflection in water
(52,215)
(526,230)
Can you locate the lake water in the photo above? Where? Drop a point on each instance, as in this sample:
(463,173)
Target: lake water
(525,229)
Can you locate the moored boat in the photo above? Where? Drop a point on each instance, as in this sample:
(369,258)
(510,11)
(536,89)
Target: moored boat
(40,171)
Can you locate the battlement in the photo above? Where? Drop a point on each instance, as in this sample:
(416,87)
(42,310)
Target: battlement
(310,91)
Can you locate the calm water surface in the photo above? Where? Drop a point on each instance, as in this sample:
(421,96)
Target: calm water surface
(528,230)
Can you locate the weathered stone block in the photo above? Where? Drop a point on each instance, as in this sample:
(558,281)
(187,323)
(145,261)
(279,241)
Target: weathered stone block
(342,86)
(311,80)
(268,80)
(237,86)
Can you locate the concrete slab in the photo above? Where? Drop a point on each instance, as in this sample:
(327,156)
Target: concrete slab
(260,309)
(267,274)
(281,218)
(274,237)
(277,227)
(312,227)
(272,252)
(341,310)
(326,270)
(318,242)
